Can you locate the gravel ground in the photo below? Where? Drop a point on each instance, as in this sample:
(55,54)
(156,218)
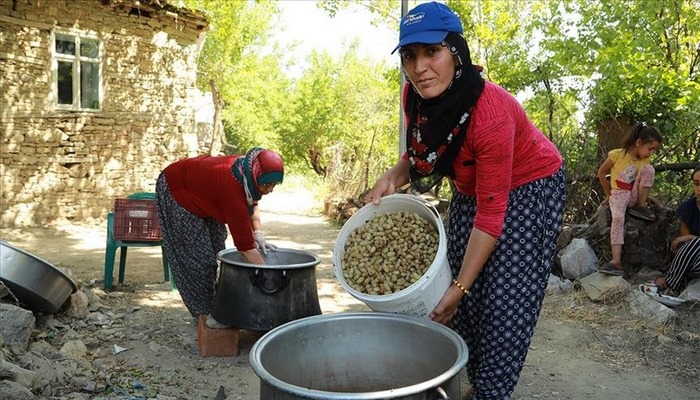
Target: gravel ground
(141,342)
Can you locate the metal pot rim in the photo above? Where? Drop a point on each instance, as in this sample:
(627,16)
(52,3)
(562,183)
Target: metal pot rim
(74,286)
(221,256)
(263,374)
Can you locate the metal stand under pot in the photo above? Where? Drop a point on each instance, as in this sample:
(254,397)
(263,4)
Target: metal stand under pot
(262,297)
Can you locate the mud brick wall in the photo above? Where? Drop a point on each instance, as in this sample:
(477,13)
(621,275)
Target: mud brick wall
(58,165)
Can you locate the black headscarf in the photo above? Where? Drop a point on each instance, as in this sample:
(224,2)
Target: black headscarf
(437,127)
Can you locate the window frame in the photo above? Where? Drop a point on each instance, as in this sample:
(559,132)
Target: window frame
(75,61)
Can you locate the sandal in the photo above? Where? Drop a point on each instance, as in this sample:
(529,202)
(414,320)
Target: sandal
(643,213)
(655,289)
(649,288)
(611,269)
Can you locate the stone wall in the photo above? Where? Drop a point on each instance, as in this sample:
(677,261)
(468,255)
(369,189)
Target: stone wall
(60,165)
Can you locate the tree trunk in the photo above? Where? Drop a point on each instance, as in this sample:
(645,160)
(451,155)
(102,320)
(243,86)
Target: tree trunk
(365,170)
(612,134)
(217,131)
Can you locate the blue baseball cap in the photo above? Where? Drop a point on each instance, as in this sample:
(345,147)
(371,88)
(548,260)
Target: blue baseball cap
(427,23)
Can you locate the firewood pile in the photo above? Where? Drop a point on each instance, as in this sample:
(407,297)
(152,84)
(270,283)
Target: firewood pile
(340,210)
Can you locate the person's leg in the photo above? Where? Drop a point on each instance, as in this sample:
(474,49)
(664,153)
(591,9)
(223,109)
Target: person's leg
(619,200)
(642,186)
(684,267)
(462,210)
(218,234)
(498,317)
(189,250)
(616,254)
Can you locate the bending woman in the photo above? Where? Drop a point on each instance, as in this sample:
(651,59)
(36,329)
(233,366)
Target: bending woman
(197,197)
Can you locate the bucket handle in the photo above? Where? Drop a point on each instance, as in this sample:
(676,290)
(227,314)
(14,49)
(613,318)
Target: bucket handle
(441,393)
(258,280)
(432,208)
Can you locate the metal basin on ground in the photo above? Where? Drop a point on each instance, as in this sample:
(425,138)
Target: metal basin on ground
(359,356)
(262,297)
(37,284)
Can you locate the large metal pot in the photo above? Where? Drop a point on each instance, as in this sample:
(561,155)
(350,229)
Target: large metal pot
(263,297)
(36,283)
(364,355)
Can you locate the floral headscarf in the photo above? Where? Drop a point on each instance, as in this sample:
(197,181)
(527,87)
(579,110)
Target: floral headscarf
(257,167)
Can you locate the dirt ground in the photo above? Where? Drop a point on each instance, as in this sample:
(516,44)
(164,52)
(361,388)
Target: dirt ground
(580,349)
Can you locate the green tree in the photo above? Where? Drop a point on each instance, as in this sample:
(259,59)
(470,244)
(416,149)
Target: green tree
(249,86)
(257,99)
(579,67)
(641,57)
(639,62)
(236,26)
(343,125)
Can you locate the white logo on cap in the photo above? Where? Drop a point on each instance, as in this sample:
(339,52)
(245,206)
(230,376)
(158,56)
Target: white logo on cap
(413,18)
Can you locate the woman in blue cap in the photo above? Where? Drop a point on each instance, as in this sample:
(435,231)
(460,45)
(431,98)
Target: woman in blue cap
(506,212)
(197,198)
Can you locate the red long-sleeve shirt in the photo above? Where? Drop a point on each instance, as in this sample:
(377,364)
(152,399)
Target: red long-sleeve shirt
(205,186)
(502,151)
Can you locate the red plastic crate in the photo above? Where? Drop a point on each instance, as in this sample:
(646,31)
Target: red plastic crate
(135,220)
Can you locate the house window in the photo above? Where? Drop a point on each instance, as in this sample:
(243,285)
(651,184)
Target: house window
(77,65)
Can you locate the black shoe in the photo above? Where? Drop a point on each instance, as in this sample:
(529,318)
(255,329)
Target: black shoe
(643,213)
(611,269)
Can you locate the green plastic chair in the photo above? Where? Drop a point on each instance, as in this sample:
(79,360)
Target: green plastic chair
(114,244)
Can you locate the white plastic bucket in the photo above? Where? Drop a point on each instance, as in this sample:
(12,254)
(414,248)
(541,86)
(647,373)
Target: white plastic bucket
(422,296)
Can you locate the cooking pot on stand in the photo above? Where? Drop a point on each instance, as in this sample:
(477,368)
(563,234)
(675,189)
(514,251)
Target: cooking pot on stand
(262,297)
(359,355)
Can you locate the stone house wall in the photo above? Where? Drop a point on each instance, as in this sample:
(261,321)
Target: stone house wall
(58,164)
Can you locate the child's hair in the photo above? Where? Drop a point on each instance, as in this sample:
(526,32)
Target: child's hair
(641,130)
